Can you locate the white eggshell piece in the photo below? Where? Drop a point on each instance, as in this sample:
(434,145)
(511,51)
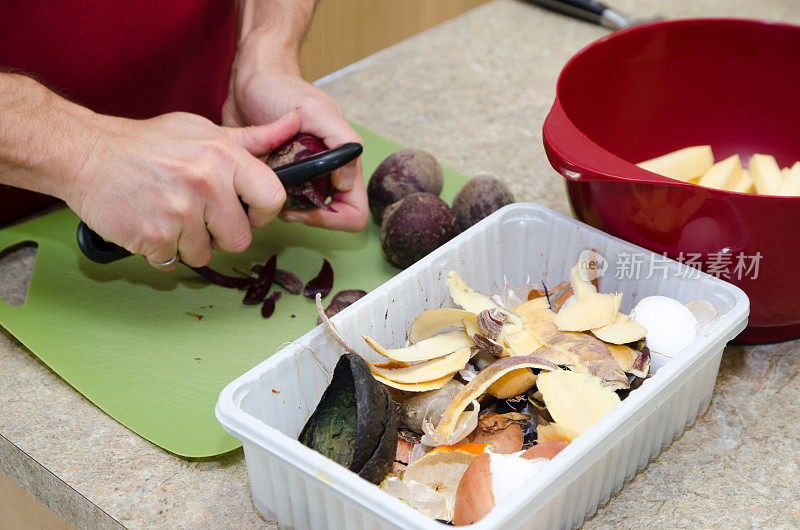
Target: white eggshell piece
(670,325)
(509,473)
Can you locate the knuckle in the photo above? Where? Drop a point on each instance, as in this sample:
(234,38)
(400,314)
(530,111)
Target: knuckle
(240,241)
(181,208)
(198,258)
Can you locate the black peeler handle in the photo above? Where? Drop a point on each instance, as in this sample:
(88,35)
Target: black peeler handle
(99,250)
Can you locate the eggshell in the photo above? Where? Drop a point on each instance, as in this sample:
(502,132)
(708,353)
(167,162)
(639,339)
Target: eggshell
(670,325)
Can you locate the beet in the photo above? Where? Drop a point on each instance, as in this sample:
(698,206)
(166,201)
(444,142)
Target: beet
(415,226)
(402,173)
(308,195)
(480,197)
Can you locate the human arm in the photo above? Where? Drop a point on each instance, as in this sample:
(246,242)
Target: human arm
(266,83)
(159,187)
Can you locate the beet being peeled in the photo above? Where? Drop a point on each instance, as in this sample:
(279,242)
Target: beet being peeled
(308,195)
(414,226)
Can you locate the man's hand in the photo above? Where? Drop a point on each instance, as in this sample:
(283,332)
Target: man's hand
(171,185)
(161,187)
(266,84)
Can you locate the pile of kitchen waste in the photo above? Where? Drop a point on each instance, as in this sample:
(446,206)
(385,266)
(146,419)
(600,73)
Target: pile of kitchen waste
(483,397)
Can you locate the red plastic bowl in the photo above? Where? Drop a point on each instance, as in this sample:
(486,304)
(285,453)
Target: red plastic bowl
(643,92)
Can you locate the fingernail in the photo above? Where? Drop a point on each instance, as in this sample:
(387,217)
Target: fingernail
(343,180)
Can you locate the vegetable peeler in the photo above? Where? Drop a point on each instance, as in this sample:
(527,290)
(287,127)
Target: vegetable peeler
(99,250)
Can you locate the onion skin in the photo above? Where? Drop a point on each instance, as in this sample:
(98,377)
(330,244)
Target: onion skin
(505,441)
(547,449)
(474,496)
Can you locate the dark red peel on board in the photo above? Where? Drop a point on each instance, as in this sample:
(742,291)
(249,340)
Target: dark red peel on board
(322,283)
(268,307)
(217,278)
(288,280)
(260,288)
(341,300)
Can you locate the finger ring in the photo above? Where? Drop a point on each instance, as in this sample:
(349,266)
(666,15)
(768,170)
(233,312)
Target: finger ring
(166,263)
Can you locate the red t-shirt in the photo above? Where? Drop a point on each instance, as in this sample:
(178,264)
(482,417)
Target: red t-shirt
(136,59)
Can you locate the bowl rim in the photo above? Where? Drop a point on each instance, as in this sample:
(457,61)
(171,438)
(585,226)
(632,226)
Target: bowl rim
(559,128)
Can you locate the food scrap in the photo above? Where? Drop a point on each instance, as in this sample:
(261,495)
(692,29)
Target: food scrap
(488,393)
(258,280)
(322,283)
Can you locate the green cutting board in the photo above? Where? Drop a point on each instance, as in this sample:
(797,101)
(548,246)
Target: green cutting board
(120,335)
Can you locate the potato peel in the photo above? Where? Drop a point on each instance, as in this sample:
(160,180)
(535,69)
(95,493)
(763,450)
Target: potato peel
(430,322)
(425,386)
(622,331)
(576,401)
(469,299)
(513,383)
(590,311)
(479,384)
(330,328)
(427,370)
(426,349)
(578,351)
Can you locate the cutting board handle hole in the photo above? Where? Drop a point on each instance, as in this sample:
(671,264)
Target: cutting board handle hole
(16,266)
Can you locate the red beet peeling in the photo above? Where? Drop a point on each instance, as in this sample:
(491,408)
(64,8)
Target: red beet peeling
(288,280)
(322,283)
(260,287)
(269,304)
(341,300)
(217,278)
(309,194)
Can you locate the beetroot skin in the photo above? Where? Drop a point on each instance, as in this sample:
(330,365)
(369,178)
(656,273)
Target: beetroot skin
(402,173)
(414,226)
(310,194)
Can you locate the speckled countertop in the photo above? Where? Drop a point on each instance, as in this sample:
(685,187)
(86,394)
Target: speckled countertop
(465,91)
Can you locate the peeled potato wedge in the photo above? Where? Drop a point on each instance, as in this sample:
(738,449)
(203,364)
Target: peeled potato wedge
(723,175)
(424,350)
(745,184)
(622,331)
(683,164)
(766,174)
(790,186)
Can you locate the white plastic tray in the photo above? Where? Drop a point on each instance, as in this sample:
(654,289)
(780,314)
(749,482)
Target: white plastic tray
(267,406)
